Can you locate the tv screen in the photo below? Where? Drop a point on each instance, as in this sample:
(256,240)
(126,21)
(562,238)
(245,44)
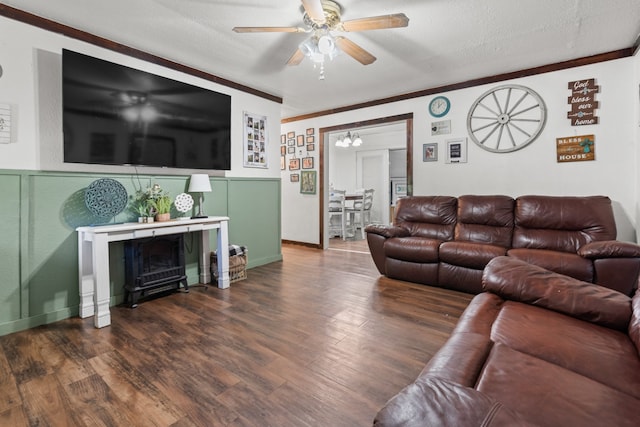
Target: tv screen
(116,115)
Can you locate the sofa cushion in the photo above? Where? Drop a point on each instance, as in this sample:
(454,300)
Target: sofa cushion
(570,343)
(562,223)
(433,217)
(517,280)
(436,402)
(634,323)
(412,249)
(469,254)
(560,262)
(485,219)
(548,395)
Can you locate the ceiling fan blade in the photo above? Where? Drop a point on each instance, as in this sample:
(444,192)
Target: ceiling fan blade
(376,22)
(355,51)
(269,30)
(296,58)
(314,10)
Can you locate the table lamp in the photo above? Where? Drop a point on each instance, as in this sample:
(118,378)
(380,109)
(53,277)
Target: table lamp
(199,183)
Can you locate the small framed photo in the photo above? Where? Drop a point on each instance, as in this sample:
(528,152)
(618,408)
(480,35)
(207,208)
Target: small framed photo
(291,150)
(283,139)
(310,131)
(291,142)
(294,164)
(430,152)
(300,140)
(311,147)
(283,150)
(283,163)
(457,150)
(308,182)
(307,163)
(291,135)
(310,140)
(294,177)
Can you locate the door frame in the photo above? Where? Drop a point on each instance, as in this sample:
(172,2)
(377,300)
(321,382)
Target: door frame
(407,118)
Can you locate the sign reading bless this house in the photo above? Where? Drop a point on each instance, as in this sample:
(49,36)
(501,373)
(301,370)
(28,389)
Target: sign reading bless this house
(583,103)
(576,148)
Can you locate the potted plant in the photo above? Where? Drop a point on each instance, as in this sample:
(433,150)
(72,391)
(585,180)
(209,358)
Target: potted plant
(140,206)
(153,201)
(162,207)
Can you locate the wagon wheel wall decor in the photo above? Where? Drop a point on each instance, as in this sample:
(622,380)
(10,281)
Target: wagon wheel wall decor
(506,118)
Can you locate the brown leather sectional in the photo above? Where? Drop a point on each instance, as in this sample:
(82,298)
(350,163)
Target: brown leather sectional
(447,241)
(536,349)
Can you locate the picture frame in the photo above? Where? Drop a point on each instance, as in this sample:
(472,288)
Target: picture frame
(294,164)
(291,150)
(291,142)
(300,140)
(457,150)
(283,163)
(283,150)
(291,135)
(307,163)
(283,139)
(308,182)
(294,177)
(310,139)
(310,131)
(256,141)
(311,147)
(430,152)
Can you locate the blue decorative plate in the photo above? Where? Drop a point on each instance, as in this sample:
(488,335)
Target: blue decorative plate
(105,197)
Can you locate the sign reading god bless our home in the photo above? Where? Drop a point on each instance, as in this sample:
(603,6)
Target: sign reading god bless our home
(576,148)
(583,103)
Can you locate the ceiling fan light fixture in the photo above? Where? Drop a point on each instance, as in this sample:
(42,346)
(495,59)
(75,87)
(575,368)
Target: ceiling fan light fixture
(326,44)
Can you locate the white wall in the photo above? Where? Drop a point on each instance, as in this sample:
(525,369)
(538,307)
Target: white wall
(532,170)
(32,85)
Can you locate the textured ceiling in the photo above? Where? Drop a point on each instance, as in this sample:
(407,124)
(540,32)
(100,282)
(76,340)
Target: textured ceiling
(446,42)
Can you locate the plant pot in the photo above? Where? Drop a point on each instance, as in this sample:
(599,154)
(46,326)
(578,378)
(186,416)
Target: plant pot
(163,217)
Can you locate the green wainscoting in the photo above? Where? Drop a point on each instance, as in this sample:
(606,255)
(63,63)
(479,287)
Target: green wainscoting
(39,248)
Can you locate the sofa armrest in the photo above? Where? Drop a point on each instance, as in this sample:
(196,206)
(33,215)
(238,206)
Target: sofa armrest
(609,249)
(435,402)
(387,230)
(517,280)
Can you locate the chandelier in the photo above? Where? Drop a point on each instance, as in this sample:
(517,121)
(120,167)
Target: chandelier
(347,140)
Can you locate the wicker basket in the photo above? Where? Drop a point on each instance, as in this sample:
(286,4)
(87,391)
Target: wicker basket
(237,267)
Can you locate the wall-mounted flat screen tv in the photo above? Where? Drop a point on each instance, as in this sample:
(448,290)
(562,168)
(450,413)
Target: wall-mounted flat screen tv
(116,115)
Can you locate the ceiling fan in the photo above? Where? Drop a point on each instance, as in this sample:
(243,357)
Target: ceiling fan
(321,17)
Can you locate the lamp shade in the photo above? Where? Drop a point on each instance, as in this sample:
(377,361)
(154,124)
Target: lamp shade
(199,183)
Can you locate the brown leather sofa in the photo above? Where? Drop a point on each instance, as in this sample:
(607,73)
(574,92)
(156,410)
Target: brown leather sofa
(447,241)
(537,349)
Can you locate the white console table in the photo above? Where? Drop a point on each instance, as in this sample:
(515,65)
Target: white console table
(93,257)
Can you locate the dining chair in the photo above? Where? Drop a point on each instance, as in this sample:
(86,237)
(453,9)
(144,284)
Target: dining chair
(360,213)
(337,215)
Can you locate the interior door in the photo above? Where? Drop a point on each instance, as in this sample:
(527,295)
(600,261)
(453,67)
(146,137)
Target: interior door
(372,171)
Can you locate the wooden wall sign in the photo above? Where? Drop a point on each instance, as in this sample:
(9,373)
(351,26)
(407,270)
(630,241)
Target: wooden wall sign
(576,148)
(583,103)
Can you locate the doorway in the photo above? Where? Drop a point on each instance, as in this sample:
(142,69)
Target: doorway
(368,167)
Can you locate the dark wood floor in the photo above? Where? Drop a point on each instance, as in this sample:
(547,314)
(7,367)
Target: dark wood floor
(319,339)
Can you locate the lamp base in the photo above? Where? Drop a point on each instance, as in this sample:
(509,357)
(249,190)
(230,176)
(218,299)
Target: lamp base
(199,216)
